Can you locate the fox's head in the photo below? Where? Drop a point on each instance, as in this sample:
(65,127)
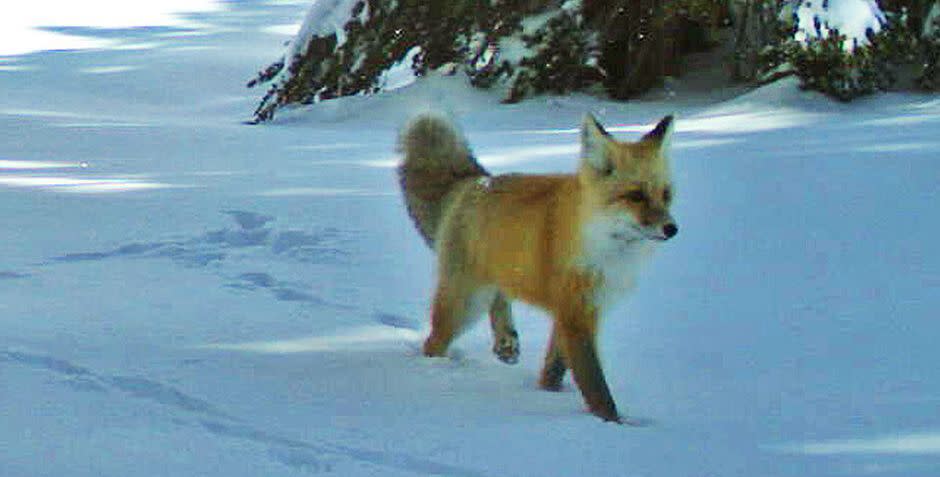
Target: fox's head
(628,185)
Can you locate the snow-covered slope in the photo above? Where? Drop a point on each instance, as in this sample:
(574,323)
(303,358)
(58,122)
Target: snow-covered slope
(182,294)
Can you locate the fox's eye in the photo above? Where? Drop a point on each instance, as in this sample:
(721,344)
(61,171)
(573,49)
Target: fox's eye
(636,195)
(667,195)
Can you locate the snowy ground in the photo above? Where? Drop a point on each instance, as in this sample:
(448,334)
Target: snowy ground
(182,294)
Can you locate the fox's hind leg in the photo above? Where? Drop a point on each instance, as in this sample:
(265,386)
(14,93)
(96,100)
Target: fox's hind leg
(447,312)
(505,337)
(457,304)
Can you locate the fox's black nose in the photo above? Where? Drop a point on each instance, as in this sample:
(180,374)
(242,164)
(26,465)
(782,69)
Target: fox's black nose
(670,230)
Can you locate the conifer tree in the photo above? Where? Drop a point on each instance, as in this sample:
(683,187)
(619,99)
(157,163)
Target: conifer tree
(525,47)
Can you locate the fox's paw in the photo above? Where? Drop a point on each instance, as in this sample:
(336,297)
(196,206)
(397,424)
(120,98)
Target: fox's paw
(506,347)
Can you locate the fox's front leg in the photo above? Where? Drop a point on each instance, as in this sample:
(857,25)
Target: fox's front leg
(576,330)
(553,371)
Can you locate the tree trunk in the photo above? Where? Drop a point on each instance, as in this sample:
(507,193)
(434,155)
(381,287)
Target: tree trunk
(917,10)
(632,44)
(755,27)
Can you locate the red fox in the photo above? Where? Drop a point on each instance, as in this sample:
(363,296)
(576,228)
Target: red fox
(567,243)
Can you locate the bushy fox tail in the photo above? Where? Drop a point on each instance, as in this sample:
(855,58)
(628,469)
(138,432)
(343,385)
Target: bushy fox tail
(436,160)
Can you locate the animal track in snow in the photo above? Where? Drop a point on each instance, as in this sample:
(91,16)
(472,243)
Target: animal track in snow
(249,220)
(396,321)
(85,379)
(309,457)
(251,234)
(282,291)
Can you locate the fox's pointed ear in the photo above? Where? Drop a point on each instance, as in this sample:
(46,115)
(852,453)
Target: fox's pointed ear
(662,133)
(594,141)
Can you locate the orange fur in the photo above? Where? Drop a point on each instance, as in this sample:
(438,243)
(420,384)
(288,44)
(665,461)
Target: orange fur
(561,242)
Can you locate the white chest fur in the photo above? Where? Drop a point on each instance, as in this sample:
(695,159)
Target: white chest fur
(616,252)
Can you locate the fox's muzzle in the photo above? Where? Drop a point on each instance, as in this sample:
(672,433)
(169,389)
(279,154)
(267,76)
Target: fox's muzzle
(670,230)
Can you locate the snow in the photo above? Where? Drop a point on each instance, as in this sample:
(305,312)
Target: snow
(815,19)
(401,73)
(224,299)
(325,18)
(932,21)
(917,443)
(35,27)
